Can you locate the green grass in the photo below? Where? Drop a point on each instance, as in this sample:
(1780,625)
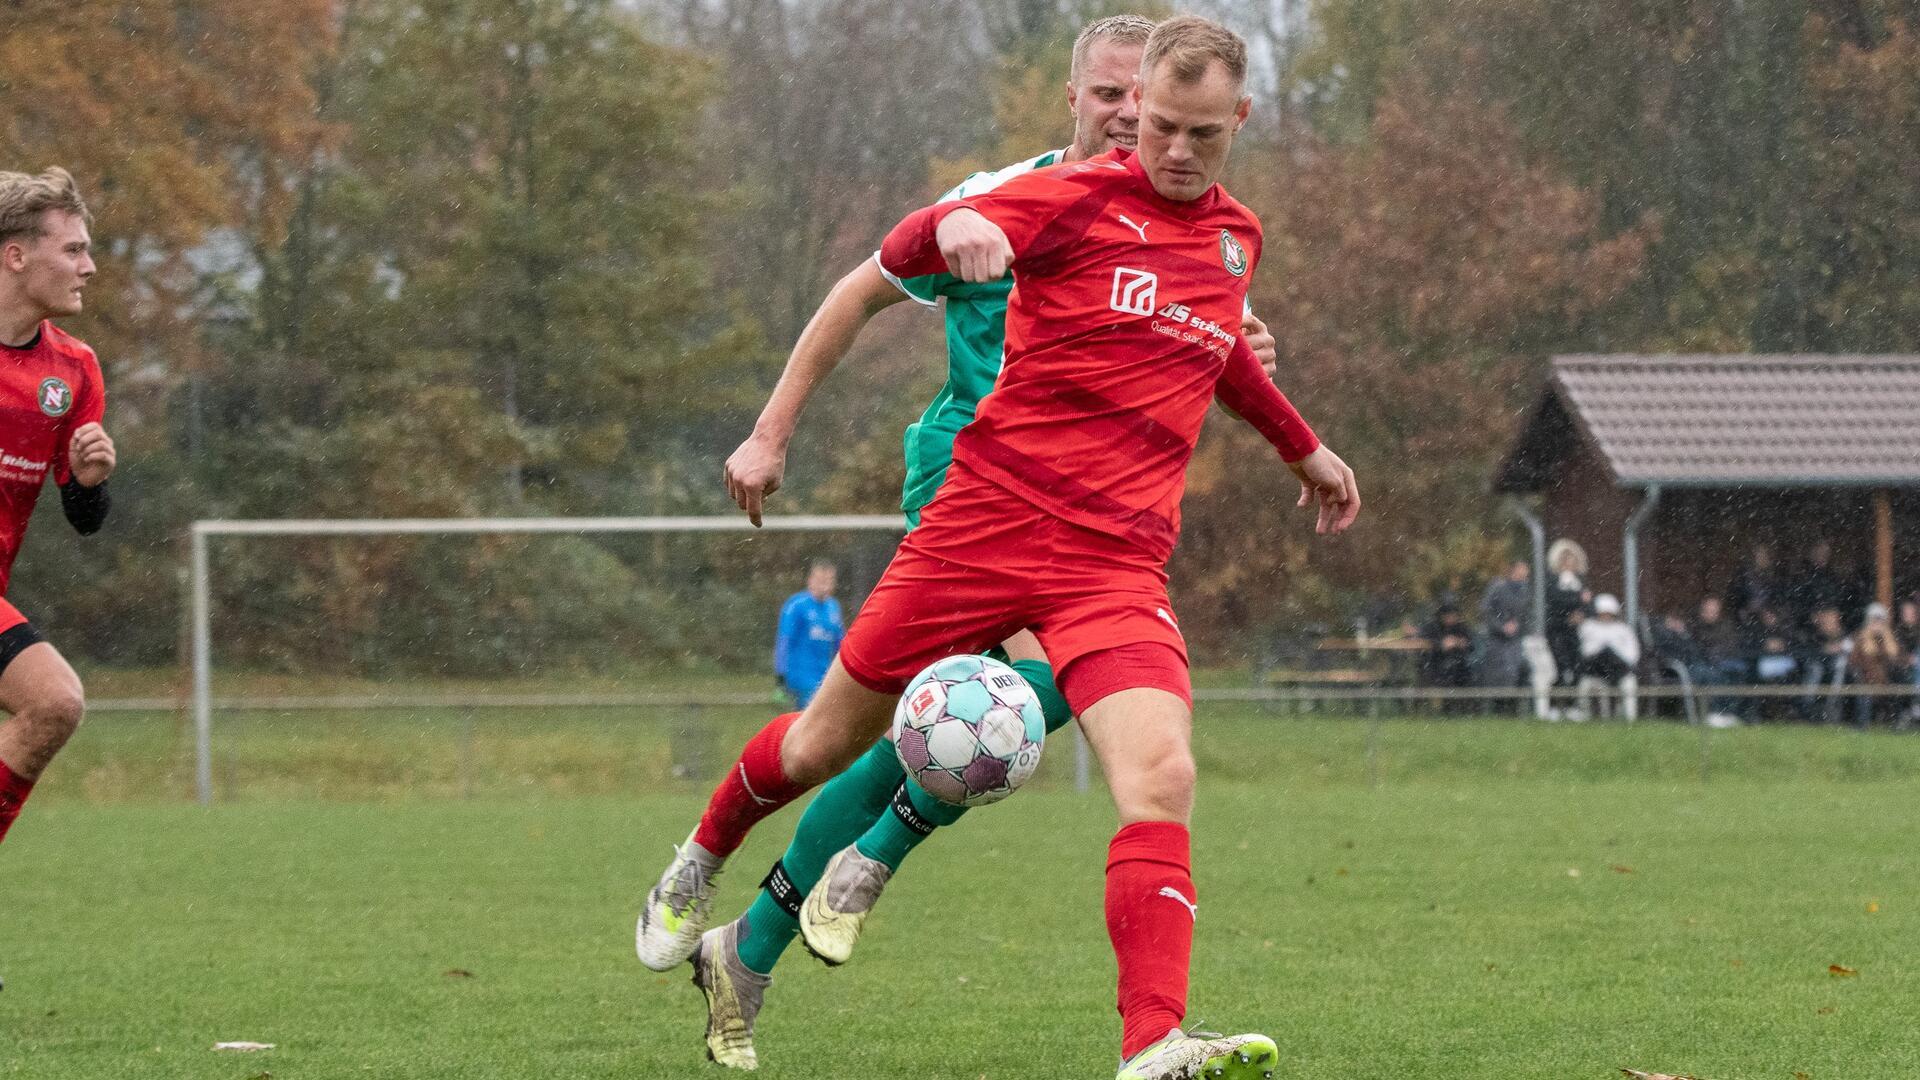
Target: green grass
(1412,911)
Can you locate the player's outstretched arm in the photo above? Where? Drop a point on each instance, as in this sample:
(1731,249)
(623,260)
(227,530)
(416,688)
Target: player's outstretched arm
(756,468)
(1248,391)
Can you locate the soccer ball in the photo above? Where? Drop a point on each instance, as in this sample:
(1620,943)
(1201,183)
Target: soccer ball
(968,730)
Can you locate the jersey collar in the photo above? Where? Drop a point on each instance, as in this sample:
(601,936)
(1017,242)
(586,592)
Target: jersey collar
(32,343)
(1194,208)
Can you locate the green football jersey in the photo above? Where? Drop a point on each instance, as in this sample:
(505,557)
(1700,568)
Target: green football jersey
(976,344)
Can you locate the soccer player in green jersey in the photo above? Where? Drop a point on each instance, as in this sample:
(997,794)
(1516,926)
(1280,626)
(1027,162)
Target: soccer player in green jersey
(860,827)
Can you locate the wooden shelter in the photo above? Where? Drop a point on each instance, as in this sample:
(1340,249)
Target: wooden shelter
(1680,465)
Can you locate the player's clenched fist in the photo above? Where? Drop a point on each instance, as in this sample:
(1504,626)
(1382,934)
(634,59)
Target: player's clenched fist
(754,471)
(90,455)
(975,248)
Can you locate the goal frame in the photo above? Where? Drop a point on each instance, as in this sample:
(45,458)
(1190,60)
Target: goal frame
(200,571)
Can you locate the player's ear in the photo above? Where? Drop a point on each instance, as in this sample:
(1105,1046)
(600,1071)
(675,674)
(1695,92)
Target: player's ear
(1241,113)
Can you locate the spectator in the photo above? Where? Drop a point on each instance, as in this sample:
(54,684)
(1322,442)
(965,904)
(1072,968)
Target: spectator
(810,631)
(1723,661)
(1876,658)
(1674,647)
(1567,599)
(1609,655)
(1756,586)
(1504,613)
(1825,664)
(1907,630)
(1815,586)
(1449,657)
(1770,645)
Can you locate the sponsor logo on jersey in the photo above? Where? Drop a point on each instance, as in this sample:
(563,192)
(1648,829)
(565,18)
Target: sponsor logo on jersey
(1232,255)
(55,396)
(1141,228)
(1168,619)
(1133,291)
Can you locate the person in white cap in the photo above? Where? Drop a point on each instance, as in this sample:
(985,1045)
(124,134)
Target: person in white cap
(1609,653)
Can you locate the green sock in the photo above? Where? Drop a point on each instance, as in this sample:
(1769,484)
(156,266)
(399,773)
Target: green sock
(902,827)
(843,809)
(1053,704)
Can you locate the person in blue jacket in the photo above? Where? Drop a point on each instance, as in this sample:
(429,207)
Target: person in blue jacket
(811,627)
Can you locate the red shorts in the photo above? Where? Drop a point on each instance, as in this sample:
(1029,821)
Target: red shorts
(983,564)
(10,616)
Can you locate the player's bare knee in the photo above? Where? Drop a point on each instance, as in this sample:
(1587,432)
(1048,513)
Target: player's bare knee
(53,717)
(811,754)
(65,709)
(1172,780)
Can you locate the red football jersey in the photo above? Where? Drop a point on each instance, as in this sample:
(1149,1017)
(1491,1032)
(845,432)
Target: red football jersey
(47,389)
(1123,324)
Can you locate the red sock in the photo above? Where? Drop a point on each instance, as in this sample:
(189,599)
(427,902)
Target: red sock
(1151,909)
(13,792)
(755,787)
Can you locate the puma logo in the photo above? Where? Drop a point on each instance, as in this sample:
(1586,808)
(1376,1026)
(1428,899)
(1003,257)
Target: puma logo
(1140,228)
(1172,893)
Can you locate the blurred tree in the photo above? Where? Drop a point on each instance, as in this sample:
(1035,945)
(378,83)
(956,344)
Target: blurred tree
(1412,278)
(164,113)
(828,114)
(1699,112)
(502,289)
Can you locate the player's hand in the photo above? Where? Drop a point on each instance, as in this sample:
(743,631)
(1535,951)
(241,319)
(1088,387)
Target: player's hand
(754,471)
(1260,340)
(1325,479)
(975,248)
(90,455)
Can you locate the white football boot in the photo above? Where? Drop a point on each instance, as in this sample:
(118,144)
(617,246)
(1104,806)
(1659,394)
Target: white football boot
(835,911)
(677,908)
(1204,1056)
(733,992)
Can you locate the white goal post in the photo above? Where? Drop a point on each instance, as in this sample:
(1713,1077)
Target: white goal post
(200,573)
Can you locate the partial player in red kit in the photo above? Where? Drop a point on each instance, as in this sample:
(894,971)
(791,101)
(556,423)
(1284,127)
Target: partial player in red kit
(1062,507)
(51,403)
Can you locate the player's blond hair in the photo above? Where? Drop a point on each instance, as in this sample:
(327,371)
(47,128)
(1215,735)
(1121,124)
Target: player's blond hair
(1191,45)
(25,200)
(1120,29)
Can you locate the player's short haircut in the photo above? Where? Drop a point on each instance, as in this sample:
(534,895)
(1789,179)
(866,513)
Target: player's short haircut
(25,200)
(1191,45)
(1120,29)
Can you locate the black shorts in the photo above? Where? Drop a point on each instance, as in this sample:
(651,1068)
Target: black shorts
(15,640)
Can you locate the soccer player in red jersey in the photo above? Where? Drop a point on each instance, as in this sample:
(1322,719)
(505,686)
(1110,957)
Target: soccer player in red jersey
(1062,507)
(51,402)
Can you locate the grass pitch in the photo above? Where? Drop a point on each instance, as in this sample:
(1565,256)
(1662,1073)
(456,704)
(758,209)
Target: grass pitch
(1471,899)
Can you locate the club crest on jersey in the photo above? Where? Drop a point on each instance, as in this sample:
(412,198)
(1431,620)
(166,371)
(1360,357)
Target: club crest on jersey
(56,397)
(1232,255)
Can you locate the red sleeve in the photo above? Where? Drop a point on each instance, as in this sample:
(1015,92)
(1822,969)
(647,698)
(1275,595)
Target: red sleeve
(1023,207)
(1246,389)
(89,407)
